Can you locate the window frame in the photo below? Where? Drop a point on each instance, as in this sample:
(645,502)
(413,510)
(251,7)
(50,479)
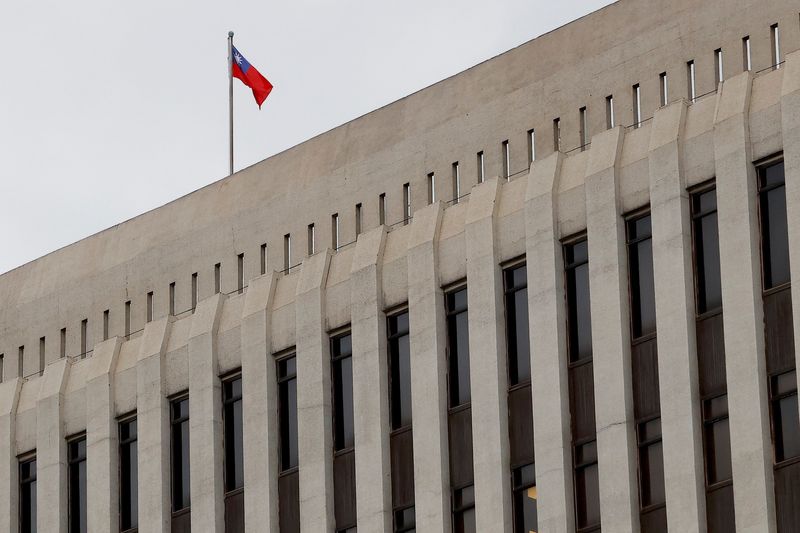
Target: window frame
(225,379)
(447,292)
(390,338)
(760,168)
(708,423)
(71,461)
(127,419)
(773,399)
(571,266)
(507,267)
(333,336)
(703,188)
(281,357)
(173,421)
(629,219)
(22,459)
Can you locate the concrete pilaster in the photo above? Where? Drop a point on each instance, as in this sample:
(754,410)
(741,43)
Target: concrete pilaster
(681,421)
(314,419)
(9,470)
(205,419)
(152,420)
(51,450)
(488,362)
(102,455)
(743,320)
(259,386)
(611,344)
(370,384)
(550,382)
(429,373)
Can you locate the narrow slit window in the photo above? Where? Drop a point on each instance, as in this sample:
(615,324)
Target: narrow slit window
(76,489)
(21,361)
(531,146)
(233,433)
(776,46)
(127,319)
(128,475)
(406,203)
(584,128)
(382,208)
(287,251)
(179,453)
(431,188)
(342,381)
(358,220)
(263,259)
(663,88)
(194,291)
(481,168)
(506,159)
(62,349)
(240,273)
(172,299)
(525,498)
(2,364)
(556,134)
(84,335)
(636,90)
(458,348)
(105,324)
(150,306)
(610,119)
(311,239)
(691,77)
(747,58)
(517,338)
(456,183)
(718,67)
(27,495)
(41,355)
(399,370)
(287,412)
(579,316)
(217,278)
(335,231)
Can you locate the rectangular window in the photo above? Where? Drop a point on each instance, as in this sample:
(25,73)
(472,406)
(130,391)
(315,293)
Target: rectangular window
(481,168)
(27,495)
(263,260)
(287,252)
(287,411)
(358,220)
(464,510)
(149,306)
(217,278)
(179,453)
(641,279)
(584,128)
(663,86)
(579,318)
(456,183)
(506,155)
(636,91)
(76,465)
(587,491)
(610,119)
(717,440)
(785,418)
(517,338)
(691,80)
(240,273)
(747,60)
(62,350)
(335,231)
(525,499)
(21,361)
(651,464)
(399,370)
(128,475)
(774,230)
(2,365)
(233,436)
(84,336)
(342,377)
(531,146)
(776,46)
(194,291)
(105,324)
(127,322)
(431,188)
(458,347)
(556,134)
(382,208)
(172,299)
(719,73)
(406,203)
(41,355)
(311,239)
(405,521)
(708,285)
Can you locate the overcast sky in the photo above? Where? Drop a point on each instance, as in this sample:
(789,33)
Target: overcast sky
(112,108)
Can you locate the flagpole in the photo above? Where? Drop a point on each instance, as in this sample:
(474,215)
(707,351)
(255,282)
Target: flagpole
(230,97)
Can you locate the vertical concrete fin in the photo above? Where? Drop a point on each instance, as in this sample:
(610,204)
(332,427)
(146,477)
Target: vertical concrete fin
(550,388)
(488,371)
(428,373)
(370,382)
(675,322)
(314,429)
(51,450)
(740,270)
(261,437)
(205,418)
(611,345)
(9,472)
(152,419)
(101,438)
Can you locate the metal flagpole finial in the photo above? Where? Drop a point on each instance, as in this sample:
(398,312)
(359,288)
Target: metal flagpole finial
(230,34)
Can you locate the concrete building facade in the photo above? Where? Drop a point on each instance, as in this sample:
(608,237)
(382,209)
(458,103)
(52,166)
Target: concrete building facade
(556,297)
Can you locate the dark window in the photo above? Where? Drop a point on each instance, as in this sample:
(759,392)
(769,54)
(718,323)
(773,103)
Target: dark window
(517,337)
(579,317)
(717,437)
(399,370)
(405,521)
(464,510)
(287,411)
(179,421)
(785,421)
(774,232)
(525,497)
(642,289)
(27,496)
(76,461)
(651,463)
(587,488)
(706,251)
(458,347)
(128,475)
(341,352)
(233,446)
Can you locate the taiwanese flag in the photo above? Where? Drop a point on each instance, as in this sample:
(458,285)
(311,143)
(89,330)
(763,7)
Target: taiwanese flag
(250,77)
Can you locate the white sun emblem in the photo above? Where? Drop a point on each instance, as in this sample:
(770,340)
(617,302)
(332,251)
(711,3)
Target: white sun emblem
(238,59)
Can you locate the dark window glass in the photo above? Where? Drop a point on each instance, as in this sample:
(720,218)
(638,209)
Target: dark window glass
(458,347)
(587,487)
(464,510)
(774,232)
(399,370)
(517,337)
(404,520)
(717,438)
(287,411)
(651,463)
(341,352)
(640,264)
(76,461)
(525,499)
(785,420)
(233,445)
(579,316)
(179,418)
(27,496)
(706,251)
(128,475)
